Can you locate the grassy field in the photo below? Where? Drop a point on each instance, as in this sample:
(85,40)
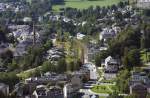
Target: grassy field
(143,56)
(103,89)
(83,4)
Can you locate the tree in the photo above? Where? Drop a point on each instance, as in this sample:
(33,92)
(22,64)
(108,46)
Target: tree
(66,36)
(61,65)
(127,38)
(115,95)
(148,95)
(48,44)
(7,56)
(9,78)
(132,96)
(123,81)
(145,39)
(98,60)
(132,58)
(48,66)
(101,56)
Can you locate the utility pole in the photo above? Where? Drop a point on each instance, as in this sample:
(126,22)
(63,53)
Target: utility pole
(34,35)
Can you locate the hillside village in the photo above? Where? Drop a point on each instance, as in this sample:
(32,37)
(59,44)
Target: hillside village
(98,52)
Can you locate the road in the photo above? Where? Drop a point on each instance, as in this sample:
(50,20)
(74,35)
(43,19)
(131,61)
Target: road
(89,92)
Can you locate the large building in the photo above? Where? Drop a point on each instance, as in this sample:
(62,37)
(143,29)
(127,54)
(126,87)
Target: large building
(4,89)
(92,68)
(111,68)
(144,4)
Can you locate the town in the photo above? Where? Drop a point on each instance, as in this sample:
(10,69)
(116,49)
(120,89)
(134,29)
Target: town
(51,49)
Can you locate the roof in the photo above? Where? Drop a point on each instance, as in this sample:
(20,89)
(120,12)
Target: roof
(111,60)
(139,86)
(2,86)
(55,87)
(80,36)
(143,1)
(90,66)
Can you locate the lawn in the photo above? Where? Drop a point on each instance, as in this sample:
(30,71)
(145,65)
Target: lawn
(28,73)
(83,4)
(108,81)
(143,56)
(104,89)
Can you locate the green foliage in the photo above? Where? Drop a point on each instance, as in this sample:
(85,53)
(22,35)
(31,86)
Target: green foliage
(132,58)
(7,56)
(101,56)
(146,36)
(74,65)
(103,89)
(131,96)
(61,66)
(39,7)
(84,4)
(48,45)
(9,78)
(48,66)
(115,95)
(128,38)
(148,95)
(123,81)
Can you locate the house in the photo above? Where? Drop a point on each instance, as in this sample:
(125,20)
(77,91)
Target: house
(2,7)
(139,89)
(21,48)
(83,23)
(3,47)
(80,36)
(4,89)
(83,73)
(138,77)
(140,83)
(90,96)
(24,32)
(92,50)
(111,67)
(71,89)
(47,78)
(43,92)
(107,33)
(92,68)
(54,54)
(21,32)
(76,80)
(27,19)
(53,37)
(65,19)
(54,17)
(144,4)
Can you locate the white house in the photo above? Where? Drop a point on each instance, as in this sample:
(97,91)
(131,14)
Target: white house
(107,34)
(93,72)
(143,4)
(111,68)
(111,65)
(27,19)
(4,89)
(80,36)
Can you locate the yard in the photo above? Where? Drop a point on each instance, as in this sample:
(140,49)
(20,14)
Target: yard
(145,57)
(104,89)
(83,4)
(26,74)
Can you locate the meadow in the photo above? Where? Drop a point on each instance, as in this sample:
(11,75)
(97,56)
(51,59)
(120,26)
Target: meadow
(83,4)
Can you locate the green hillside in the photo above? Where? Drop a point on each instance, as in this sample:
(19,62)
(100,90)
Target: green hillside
(83,4)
